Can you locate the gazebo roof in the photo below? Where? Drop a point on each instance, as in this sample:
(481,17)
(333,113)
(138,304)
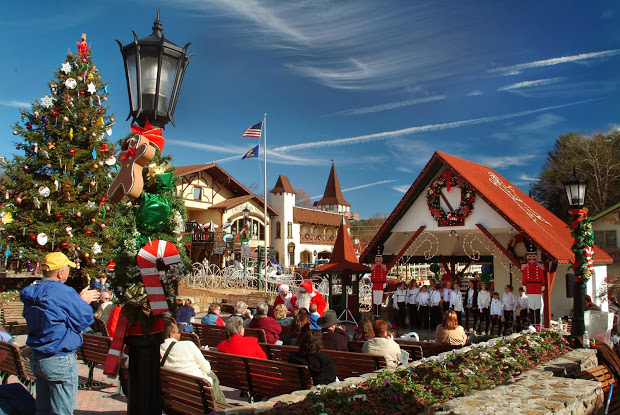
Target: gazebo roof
(343,256)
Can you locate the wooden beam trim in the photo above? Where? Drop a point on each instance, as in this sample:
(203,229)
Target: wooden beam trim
(445,264)
(499,245)
(394,260)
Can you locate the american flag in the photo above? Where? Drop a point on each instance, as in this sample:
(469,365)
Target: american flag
(253,131)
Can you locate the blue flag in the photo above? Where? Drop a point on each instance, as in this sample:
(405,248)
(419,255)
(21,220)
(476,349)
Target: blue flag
(251,154)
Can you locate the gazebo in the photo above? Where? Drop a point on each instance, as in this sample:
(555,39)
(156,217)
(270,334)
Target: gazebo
(344,263)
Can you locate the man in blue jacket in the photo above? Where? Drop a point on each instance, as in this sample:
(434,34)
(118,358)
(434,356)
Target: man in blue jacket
(56,316)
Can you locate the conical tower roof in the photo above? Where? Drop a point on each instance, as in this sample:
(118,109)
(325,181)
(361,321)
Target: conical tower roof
(343,256)
(332,194)
(283,186)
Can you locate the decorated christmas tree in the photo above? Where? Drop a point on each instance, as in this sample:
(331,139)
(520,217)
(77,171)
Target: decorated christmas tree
(54,189)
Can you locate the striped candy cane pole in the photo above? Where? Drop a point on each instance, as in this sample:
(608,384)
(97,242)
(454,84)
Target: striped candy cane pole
(147,258)
(589,252)
(112,361)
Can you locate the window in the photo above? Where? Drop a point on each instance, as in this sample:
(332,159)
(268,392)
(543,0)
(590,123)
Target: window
(605,239)
(278,231)
(197,193)
(289,230)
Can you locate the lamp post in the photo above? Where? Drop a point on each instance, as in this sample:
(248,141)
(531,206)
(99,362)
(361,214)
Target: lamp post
(154,69)
(246,216)
(576,188)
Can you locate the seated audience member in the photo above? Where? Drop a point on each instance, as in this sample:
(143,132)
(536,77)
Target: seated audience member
(320,364)
(213,317)
(299,324)
(383,344)
(365,331)
(590,304)
(313,315)
(242,310)
(185,314)
(449,331)
(279,313)
(285,297)
(334,338)
(5,336)
(269,325)
(105,308)
(237,344)
(186,357)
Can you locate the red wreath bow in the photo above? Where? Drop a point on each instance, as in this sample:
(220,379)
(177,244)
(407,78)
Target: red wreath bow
(447,175)
(154,135)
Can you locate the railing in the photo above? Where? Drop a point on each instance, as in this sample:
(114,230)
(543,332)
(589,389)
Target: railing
(613,252)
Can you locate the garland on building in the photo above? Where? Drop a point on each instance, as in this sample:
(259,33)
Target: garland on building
(453,217)
(583,239)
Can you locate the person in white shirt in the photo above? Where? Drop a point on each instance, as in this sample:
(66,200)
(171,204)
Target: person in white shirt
(509,302)
(412,305)
(496,313)
(471,304)
(423,306)
(400,304)
(484,301)
(447,293)
(436,309)
(522,308)
(186,357)
(456,302)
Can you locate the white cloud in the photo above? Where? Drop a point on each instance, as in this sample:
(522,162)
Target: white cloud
(402,188)
(515,69)
(528,178)
(16,104)
(474,93)
(505,161)
(412,130)
(389,106)
(529,84)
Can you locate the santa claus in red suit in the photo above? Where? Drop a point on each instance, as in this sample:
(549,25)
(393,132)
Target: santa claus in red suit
(285,297)
(378,277)
(308,295)
(533,279)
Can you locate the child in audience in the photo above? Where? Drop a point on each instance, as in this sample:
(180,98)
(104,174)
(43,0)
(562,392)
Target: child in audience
(496,313)
(313,315)
(509,302)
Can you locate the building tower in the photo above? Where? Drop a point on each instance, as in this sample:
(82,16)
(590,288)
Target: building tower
(283,201)
(332,200)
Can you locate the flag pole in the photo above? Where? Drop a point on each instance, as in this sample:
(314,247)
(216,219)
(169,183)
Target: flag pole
(266,234)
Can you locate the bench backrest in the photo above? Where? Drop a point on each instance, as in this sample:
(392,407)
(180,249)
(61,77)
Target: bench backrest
(95,348)
(428,348)
(213,335)
(185,394)
(415,351)
(599,374)
(13,311)
(101,327)
(191,337)
(347,363)
(258,333)
(260,376)
(12,363)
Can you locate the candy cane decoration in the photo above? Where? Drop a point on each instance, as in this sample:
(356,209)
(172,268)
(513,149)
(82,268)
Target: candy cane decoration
(589,253)
(112,361)
(147,258)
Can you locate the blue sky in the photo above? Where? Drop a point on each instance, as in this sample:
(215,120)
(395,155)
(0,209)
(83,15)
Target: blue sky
(377,86)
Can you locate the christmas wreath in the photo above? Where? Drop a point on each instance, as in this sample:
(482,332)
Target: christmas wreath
(583,239)
(453,216)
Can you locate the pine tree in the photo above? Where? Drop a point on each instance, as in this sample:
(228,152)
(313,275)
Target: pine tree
(54,191)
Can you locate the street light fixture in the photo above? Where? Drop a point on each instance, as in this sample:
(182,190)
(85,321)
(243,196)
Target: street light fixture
(154,68)
(576,189)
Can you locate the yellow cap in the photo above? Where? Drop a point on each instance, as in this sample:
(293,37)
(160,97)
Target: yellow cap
(56,260)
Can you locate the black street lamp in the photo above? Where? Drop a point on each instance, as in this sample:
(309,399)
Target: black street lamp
(576,189)
(154,68)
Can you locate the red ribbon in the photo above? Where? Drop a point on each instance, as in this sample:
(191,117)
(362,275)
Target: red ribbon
(129,154)
(448,175)
(154,135)
(581,214)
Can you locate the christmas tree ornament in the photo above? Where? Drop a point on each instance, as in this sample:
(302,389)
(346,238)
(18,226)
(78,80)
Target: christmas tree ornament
(71,84)
(48,165)
(51,145)
(48,207)
(42,239)
(26,169)
(36,113)
(102,226)
(70,133)
(84,129)
(90,77)
(36,148)
(44,191)
(89,232)
(99,122)
(66,68)
(92,88)
(79,78)
(82,46)
(19,200)
(64,244)
(29,127)
(37,203)
(15,132)
(129,180)
(104,99)
(100,163)
(66,119)
(94,153)
(72,151)
(104,148)
(53,87)
(47,101)
(86,254)
(78,214)
(93,261)
(6,217)
(96,248)
(55,112)
(153,213)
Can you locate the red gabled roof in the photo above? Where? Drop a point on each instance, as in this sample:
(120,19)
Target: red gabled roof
(539,225)
(314,216)
(332,194)
(235,201)
(343,256)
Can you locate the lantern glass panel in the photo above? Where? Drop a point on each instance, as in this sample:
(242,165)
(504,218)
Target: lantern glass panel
(133,81)
(168,76)
(148,80)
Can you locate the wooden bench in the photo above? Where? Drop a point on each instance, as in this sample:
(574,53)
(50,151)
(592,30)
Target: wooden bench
(12,318)
(181,394)
(602,374)
(94,351)
(347,364)
(259,377)
(99,326)
(213,335)
(415,351)
(12,363)
(428,348)
(190,337)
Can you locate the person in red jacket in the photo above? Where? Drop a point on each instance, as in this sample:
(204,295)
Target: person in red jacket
(237,344)
(308,295)
(269,325)
(286,297)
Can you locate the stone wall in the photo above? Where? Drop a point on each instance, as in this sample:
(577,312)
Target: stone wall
(540,391)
